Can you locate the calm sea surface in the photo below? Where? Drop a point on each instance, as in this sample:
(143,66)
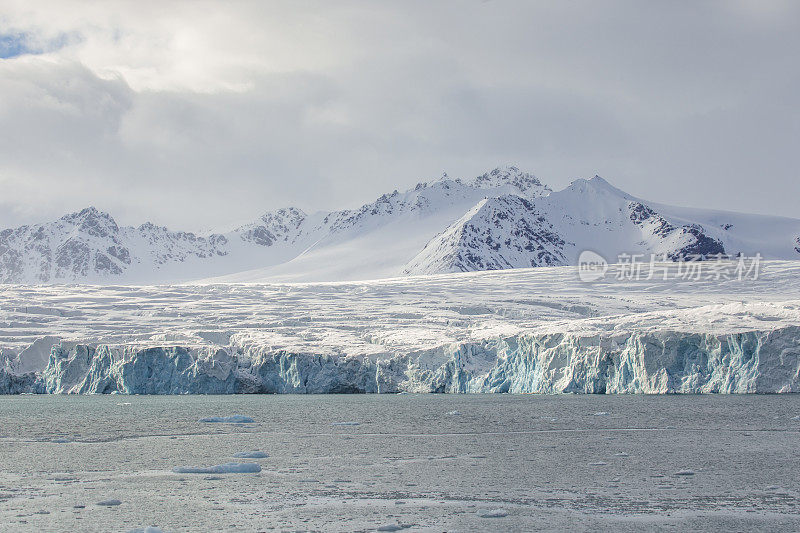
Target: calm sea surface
(416,462)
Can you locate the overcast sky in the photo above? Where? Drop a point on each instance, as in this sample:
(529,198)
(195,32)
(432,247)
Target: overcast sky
(203,114)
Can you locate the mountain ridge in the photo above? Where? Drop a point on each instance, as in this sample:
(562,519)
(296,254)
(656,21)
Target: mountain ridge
(504,218)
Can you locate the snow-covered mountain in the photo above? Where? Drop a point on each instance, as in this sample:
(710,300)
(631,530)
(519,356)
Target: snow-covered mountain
(505,218)
(512,232)
(89,245)
(379,238)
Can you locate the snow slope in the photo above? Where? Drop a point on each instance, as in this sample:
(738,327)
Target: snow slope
(523,330)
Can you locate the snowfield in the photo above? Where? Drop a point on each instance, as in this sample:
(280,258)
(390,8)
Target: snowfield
(527,330)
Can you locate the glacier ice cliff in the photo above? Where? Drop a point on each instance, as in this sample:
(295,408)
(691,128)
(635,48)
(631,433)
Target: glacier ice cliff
(11,383)
(650,362)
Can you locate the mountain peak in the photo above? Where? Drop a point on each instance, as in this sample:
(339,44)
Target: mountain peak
(511,175)
(596,184)
(92,220)
(501,232)
(87,213)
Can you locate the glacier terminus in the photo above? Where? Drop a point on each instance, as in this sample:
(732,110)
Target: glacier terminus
(535,330)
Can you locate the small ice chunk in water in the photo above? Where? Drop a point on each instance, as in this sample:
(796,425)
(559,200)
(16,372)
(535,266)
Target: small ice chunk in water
(494,513)
(251,455)
(391,527)
(684,473)
(233,419)
(346,423)
(600,413)
(227,468)
(148,529)
(598,463)
(454,413)
(109,503)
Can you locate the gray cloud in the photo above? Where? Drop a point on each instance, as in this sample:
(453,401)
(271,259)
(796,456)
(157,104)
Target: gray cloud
(196,118)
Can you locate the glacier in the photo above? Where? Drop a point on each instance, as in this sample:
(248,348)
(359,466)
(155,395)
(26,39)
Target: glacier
(651,363)
(537,331)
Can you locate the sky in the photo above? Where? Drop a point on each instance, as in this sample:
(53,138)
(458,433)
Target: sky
(202,115)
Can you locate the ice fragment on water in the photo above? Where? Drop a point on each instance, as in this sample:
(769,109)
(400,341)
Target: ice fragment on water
(251,455)
(227,468)
(391,527)
(494,513)
(233,419)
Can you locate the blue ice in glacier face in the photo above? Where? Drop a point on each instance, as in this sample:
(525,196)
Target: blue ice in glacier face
(634,362)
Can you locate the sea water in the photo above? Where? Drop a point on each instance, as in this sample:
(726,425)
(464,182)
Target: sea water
(398,462)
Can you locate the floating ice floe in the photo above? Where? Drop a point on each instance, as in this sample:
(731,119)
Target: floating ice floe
(600,413)
(494,513)
(454,413)
(251,455)
(227,468)
(109,503)
(233,419)
(148,529)
(392,527)
(346,423)
(684,473)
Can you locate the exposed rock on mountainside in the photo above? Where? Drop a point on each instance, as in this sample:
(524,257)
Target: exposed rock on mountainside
(498,233)
(687,240)
(282,225)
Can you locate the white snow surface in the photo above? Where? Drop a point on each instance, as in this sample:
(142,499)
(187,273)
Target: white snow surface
(522,330)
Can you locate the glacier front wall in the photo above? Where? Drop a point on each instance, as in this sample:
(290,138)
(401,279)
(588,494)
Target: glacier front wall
(639,362)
